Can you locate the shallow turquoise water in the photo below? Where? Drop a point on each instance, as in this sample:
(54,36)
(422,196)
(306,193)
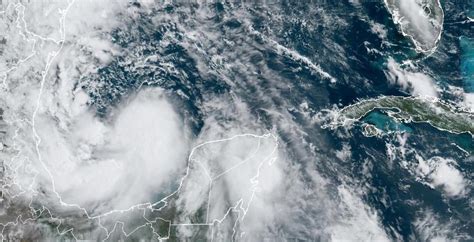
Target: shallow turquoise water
(385,123)
(467,63)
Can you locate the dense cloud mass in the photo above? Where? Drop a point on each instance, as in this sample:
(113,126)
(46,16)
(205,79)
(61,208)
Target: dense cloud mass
(151,120)
(95,162)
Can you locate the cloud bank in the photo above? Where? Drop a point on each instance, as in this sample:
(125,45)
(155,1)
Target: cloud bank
(417,83)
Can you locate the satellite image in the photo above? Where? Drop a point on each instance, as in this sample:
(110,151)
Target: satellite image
(237,120)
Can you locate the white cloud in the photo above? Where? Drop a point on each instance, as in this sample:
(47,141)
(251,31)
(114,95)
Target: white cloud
(428,227)
(359,224)
(231,175)
(449,178)
(442,173)
(419,84)
(116,164)
(87,21)
(345,153)
(378,29)
(469,101)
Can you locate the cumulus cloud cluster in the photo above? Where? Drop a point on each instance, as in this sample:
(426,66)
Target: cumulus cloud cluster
(442,173)
(417,83)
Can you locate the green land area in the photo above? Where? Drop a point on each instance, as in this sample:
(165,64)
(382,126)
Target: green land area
(411,109)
